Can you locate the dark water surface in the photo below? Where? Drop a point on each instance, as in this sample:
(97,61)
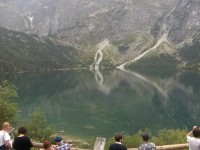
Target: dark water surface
(84,103)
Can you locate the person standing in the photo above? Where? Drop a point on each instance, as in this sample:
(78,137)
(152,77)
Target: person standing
(118,144)
(5,137)
(22,142)
(193,138)
(146,145)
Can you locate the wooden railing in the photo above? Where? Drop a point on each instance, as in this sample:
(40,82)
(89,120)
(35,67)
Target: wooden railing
(169,147)
(100,143)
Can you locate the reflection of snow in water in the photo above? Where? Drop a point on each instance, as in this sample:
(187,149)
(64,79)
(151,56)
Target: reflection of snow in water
(162,91)
(121,67)
(97,60)
(100,81)
(99,77)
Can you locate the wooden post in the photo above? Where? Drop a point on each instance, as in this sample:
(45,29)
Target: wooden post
(100,143)
(36,144)
(11,132)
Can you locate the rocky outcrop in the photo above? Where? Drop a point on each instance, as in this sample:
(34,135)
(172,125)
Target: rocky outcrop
(181,23)
(113,19)
(80,20)
(131,26)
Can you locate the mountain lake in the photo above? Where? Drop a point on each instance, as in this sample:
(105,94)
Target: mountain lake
(84,103)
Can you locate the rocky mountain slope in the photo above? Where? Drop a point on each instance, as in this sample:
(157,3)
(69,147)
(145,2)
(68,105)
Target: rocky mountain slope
(181,23)
(131,26)
(111,18)
(22,52)
(114,19)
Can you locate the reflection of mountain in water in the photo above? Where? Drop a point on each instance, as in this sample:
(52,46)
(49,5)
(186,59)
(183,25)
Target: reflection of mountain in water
(120,102)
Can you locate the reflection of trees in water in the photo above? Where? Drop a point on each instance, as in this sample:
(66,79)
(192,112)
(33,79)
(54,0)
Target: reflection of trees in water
(183,102)
(176,98)
(150,82)
(184,99)
(173,97)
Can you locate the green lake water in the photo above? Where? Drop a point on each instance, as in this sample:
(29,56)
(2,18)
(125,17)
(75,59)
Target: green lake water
(85,103)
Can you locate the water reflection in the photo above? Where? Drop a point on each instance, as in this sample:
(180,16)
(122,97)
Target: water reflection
(86,103)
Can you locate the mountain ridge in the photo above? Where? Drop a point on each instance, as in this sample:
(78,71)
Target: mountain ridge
(23,52)
(132,27)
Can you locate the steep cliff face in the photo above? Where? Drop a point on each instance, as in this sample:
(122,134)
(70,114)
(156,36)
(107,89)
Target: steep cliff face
(103,18)
(114,19)
(181,23)
(132,27)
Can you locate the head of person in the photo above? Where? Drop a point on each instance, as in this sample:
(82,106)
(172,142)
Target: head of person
(6,126)
(145,137)
(22,130)
(58,139)
(196,132)
(119,138)
(47,144)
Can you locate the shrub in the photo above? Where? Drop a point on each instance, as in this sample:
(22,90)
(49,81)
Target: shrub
(162,137)
(38,127)
(8,108)
(170,136)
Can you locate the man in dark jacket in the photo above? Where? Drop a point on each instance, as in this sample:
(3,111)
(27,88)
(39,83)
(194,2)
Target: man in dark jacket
(118,144)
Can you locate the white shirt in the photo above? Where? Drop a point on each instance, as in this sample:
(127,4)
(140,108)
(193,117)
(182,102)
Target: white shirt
(118,142)
(4,136)
(194,143)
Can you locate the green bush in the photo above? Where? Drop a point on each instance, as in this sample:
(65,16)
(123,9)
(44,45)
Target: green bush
(38,127)
(161,137)
(170,136)
(8,108)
